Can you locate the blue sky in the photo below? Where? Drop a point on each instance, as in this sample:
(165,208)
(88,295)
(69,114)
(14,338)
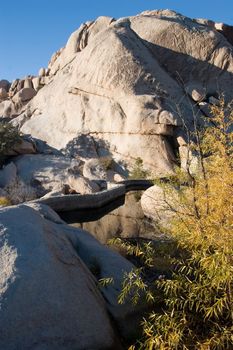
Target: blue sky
(32,30)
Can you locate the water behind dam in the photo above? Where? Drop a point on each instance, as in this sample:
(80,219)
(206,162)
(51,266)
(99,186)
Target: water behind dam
(122,218)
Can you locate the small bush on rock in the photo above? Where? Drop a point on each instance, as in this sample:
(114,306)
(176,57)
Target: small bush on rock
(9,137)
(4,202)
(138,172)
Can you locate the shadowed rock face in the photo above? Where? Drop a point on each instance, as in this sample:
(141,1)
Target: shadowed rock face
(130,83)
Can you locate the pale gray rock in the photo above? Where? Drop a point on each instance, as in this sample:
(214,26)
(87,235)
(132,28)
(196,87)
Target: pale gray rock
(94,169)
(49,299)
(105,263)
(160,205)
(28,83)
(134,112)
(205,22)
(36,83)
(113,176)
(7,109)
(196,92)
(49,172)
(24,95)
(82,147)
(226,30)
(19,192)
(41,72)
(188,51)
(14,85)
(82,185)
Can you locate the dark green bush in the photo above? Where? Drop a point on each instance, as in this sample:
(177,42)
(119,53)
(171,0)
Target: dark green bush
(9,137)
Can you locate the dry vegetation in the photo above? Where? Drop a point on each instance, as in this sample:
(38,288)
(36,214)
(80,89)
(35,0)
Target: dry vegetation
(196,293)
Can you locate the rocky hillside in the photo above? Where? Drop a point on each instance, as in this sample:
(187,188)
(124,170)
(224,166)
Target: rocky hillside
(128,85)
(120,93)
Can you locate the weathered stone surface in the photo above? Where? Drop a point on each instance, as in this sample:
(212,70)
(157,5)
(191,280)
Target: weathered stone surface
(49,299)
(133,112)
(94,169)
(8,174)
(105,263)
(36,83)
(188,51)
(48,171)
(196,92)
(7,109)
(28,83)
(82,185)
(24,95)
(226,30)
(159,205)
(82,147)
(19,192)
(41,72)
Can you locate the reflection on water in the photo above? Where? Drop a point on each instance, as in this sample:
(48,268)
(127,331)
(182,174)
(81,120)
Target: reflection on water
(126,221)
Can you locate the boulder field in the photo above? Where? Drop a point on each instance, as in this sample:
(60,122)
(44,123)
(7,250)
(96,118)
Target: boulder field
(163,68)
(118,91)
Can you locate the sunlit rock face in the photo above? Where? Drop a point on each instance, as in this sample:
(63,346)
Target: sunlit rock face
(131,84)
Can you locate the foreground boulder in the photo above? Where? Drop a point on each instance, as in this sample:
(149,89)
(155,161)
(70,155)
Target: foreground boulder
(48,298)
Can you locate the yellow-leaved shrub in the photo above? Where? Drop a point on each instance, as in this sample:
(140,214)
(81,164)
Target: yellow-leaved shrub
(197,297)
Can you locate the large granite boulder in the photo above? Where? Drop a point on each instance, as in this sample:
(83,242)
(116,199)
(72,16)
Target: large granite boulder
(136,96)
(48,297)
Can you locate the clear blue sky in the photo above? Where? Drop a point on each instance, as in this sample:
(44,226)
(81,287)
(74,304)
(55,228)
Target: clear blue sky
(31,30)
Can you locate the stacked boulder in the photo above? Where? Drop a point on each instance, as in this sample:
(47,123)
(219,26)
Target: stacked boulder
(176,67)
(14,96)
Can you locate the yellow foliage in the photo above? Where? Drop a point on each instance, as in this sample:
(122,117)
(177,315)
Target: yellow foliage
(4,201)
(198,298)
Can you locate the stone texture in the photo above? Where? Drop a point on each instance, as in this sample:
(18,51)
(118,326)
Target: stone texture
(49,299)
(8,174)
(82,185)
(45,171)
(157,204)
(197,93)
(94,169)
(36,83)
(28,83)
(133,112)
(24,95)
(7,109)
(41,72)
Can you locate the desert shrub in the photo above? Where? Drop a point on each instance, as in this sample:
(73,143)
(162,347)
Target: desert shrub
(4,202)
(106,162)
(197,298)
(138,172)
(9,137)
(19,192)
